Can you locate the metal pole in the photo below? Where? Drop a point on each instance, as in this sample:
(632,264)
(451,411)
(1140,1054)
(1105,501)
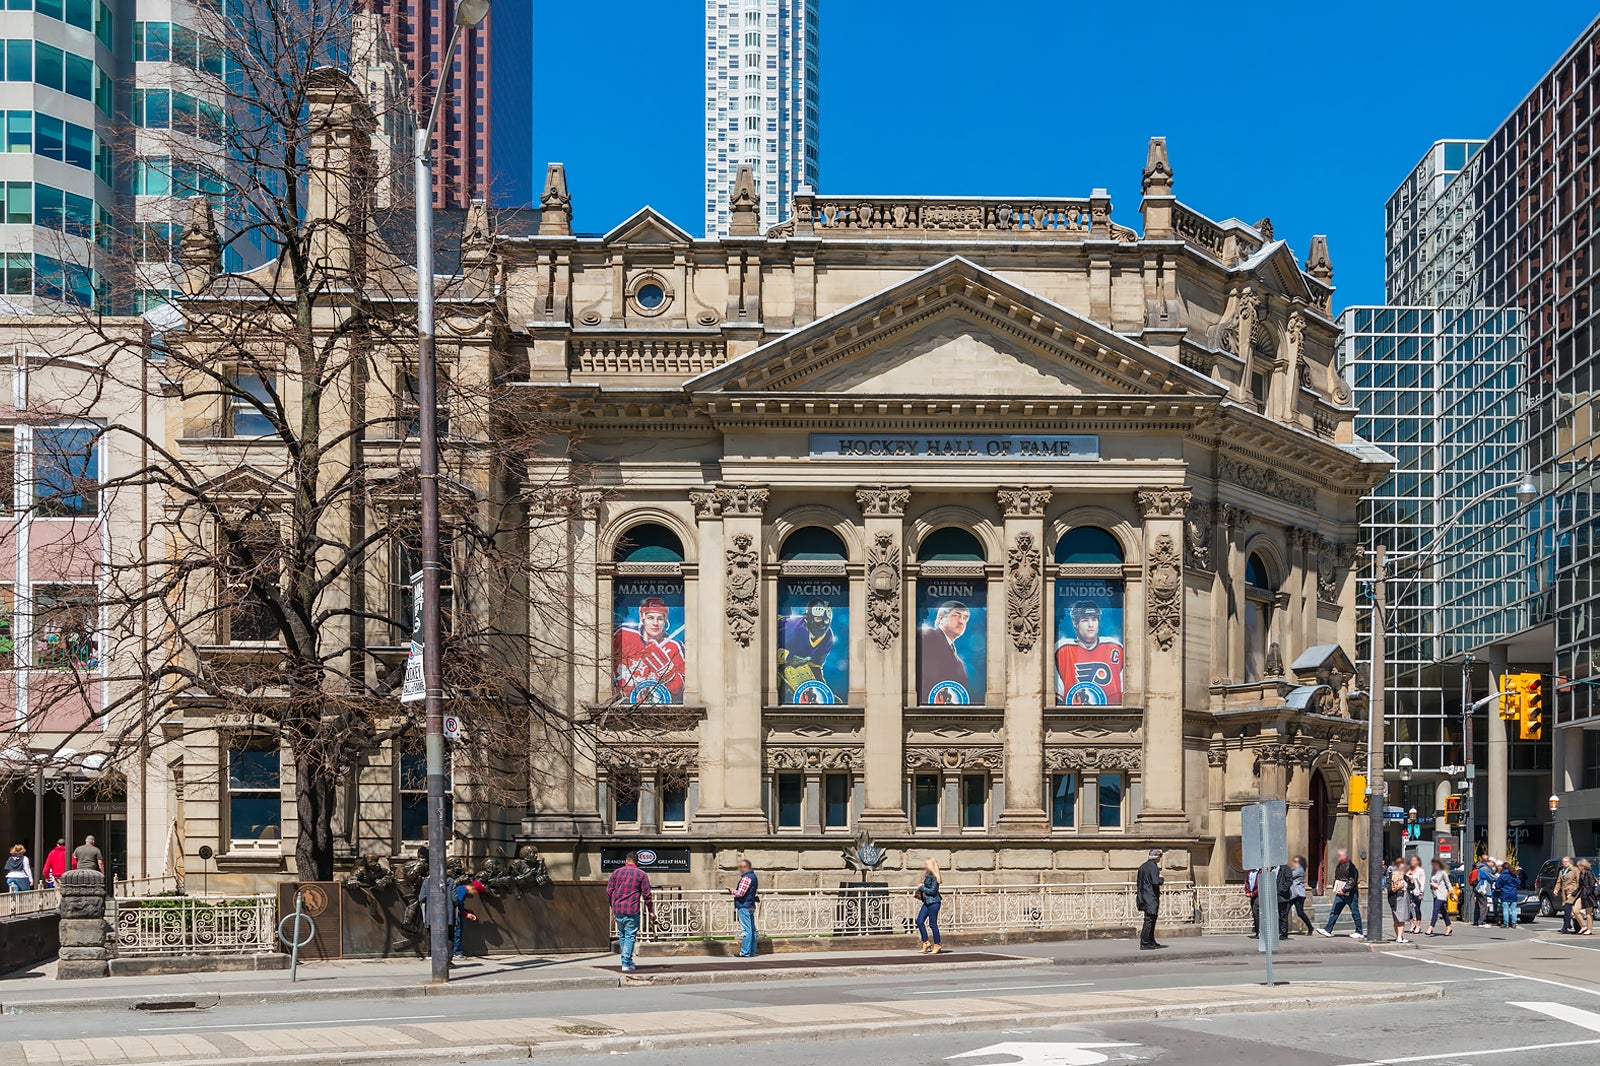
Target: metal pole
(1468,841)
(432,679)
(1376,801)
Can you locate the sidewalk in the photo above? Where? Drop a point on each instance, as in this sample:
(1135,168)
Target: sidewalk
(533,1036)
(35,991)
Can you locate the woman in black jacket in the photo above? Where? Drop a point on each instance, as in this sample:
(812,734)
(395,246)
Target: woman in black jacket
(1588,896)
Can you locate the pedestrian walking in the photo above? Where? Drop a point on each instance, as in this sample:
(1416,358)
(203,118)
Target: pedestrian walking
(1297,890)
(1346,886)
(55,864)
(1566,893)
(1439,883)
(1398,887)
(1588,890)
(628,892)
(1252,888)
(1417,885)
(19,875)
(1508,884)
(1149,899)
(1285,893)
(744,908)
(929,895)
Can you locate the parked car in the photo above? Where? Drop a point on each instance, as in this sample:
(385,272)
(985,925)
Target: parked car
(1544,887)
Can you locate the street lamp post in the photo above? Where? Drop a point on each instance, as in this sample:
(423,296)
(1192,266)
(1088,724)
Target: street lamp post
(469,13)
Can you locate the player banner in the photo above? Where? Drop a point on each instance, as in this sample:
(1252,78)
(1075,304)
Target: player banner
(1089,652)
(952,641)
(647,640)
(813,640)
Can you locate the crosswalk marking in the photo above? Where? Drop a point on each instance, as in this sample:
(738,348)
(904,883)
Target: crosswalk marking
(1586,1019)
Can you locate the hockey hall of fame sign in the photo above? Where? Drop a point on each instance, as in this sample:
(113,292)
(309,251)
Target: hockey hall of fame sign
(1001,447)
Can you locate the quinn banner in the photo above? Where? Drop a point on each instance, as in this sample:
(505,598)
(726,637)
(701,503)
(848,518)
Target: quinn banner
(952,641)
(647,640)
(1089,651)
(813,640)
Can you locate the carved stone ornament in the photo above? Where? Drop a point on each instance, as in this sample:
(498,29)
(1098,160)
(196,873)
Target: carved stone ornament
(1274,666)
(1233,516)
(1268,483)
(1286,755)
(651,757)
(1197,523)
(744,585)
(883,589)
(734,500)
(1327,572)
(1164,582)
(814,758)
(1027,501)
(1163,503)
(954,759)
(1296,329)
(1217,758)
(883,501)
(1024,593)
(1093,759)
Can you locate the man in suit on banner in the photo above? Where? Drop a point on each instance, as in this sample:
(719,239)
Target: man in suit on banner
(942,674)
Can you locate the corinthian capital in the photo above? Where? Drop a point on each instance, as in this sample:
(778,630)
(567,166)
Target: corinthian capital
(883,501)
(1025,501)
(1163,503)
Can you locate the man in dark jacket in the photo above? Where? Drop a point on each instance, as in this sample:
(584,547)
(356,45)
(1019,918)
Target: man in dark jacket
(1285,897)
(1149,898)
(1346,885)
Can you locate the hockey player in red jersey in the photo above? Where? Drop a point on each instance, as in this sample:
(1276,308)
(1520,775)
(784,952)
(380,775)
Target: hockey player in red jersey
(649,663)
(1088,667)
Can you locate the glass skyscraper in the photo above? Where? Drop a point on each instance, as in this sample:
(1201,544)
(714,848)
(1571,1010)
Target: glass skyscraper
(1482,370)
(761,103)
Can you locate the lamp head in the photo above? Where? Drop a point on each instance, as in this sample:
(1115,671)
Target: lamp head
(1405,768)
(471,12)
(1527,492)
(1555,802)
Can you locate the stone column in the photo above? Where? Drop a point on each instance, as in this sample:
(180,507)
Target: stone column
(706,651)
(744,666)
(1216,801)
(1233,521)
(1026,659)
(83,925)
(883,509)
(1163,510)
(591,683)
(1499,759)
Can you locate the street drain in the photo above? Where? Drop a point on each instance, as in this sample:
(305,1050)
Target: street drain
(1222,962)
(159,1006)
(587,1030)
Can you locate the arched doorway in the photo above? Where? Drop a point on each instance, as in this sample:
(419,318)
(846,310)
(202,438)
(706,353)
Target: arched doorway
(1321,829)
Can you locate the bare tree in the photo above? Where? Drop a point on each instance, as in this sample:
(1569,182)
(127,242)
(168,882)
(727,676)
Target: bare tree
(258,497)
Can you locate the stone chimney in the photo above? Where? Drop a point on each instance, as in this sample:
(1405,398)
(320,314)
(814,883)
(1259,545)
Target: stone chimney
(340,168)
(744,216)
(1156,207)
(555,205)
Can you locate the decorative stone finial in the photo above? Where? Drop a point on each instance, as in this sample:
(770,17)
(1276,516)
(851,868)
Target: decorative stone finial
(1157,169)
(200,250)
(555,205)
(477,234)
(1318,265)
(744,218)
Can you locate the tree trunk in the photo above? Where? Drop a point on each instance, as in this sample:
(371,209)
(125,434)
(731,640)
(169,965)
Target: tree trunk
(314,797)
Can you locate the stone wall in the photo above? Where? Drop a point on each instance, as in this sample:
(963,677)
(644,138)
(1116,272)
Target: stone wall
(27,940)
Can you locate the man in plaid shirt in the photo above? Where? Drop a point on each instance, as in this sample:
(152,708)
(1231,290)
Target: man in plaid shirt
(627,888)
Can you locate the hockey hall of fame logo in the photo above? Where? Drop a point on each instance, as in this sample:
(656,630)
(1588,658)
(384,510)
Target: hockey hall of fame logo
(650,692)
(948,692)
(814,692)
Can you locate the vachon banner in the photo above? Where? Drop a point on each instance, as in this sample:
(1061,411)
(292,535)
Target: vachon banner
(813,640)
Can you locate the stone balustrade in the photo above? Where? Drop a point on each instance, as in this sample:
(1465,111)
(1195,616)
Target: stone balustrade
(953,216)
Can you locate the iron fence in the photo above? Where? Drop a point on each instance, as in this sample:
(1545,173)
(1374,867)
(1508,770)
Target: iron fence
(183,925)
(35,901)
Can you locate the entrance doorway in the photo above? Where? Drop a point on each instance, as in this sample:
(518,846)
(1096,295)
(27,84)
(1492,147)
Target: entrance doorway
(1323,812)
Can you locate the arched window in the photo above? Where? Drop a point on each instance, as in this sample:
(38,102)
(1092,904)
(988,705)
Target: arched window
(648,662)
(813,618)
(1260,598)
(1088,616)
(952,619)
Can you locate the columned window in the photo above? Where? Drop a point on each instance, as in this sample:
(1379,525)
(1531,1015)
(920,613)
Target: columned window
(1089,653)
(1063,801)
(1259,599)
(926,793)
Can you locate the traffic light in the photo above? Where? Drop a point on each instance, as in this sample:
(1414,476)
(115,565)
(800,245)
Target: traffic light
(1511,697)
(1532,707)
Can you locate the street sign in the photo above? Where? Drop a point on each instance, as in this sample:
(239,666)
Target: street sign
(1394,814)
(1446,846)
(452,726)
(414,688)
(1265,837)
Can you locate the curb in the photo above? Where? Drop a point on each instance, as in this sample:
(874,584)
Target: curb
(841,1031)
(320,994)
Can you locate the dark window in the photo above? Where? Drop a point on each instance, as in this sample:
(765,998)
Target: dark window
(1110,800)
(649,543)
(251,571)
(66,473)
(974,801)
(791,792)
(251,405)
(926,796)
(812,542)
(836,801)
(1088,546)
(255,802)
(950,545)
(674,804)
(1063,800)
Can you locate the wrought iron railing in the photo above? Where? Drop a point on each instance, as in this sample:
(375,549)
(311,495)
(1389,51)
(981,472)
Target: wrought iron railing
(146,887)
(183,925)
(36,901)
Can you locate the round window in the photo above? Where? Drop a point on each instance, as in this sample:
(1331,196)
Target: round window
(650,296)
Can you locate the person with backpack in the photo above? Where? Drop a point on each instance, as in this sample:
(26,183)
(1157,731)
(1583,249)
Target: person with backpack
(1346,891)
(1483,889)
(19,875)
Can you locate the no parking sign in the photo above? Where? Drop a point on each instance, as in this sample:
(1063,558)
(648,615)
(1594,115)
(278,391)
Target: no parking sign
(452,726)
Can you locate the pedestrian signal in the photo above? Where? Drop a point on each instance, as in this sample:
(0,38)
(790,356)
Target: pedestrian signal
(1532,708)
(1511,697)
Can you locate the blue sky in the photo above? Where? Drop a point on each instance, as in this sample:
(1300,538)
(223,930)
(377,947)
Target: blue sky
(1310,114)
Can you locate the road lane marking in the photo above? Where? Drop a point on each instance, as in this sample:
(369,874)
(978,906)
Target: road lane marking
(1565,944)
(1472,1054)
(994,988)
(1584,1019)
(1054,1054)
(290,1024)
(1497,973)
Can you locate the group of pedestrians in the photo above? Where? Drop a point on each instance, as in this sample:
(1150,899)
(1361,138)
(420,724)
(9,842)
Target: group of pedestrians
(20,875)
(630,896)
(1497,892)
(1576,891)
(1287,885)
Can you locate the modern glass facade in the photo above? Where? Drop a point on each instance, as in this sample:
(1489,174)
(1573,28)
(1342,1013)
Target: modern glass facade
(761,103)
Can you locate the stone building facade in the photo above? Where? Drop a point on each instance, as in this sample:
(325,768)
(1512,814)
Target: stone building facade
(1012,535)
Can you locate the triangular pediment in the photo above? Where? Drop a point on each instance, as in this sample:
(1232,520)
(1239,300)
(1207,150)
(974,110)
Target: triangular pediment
(1275,265)
(955,330)
(647,226)
(244,483)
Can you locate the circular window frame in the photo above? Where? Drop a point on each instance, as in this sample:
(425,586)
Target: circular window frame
(640,282)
